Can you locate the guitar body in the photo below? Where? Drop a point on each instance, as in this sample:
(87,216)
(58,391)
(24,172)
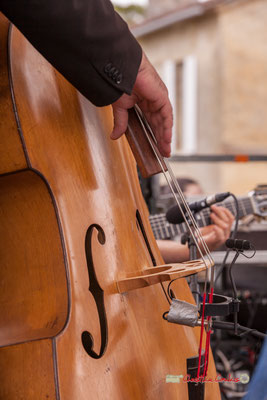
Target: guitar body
(73,222)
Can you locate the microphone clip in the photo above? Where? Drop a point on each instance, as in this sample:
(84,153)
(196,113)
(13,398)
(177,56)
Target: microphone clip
(238,245)
(221,306)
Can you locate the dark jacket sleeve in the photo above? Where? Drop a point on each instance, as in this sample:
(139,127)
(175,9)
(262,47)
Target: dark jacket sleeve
(85,40)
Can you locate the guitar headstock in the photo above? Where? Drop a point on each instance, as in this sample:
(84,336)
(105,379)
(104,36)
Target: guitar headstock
(259,201)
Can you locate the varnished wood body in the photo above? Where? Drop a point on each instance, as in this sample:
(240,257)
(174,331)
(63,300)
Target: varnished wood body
(12,157)
(77,177)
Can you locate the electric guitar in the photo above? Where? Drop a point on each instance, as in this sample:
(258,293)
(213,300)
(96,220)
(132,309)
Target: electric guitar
(254,203)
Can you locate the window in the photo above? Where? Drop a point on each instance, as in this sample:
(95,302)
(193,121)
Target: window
(181,80)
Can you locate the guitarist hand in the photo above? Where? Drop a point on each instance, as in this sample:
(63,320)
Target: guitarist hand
(214,235)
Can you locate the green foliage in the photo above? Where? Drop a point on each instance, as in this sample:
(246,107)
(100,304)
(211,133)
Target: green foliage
(133,8)
(132,14)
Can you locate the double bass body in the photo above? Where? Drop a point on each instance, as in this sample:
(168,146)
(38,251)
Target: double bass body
(73,222)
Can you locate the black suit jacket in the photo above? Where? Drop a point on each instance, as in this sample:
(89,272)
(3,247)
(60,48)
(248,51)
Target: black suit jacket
(85,40)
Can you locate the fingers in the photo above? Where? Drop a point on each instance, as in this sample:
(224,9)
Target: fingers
(151,95)
(153,100)
(222,218)
(223,212)
(162,123)
(214,237)
(161,127)
(216,234)
(120,116)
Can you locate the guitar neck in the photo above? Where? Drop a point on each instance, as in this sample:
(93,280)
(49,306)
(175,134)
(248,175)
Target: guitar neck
(162,229)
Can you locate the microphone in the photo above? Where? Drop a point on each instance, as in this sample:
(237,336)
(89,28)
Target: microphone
(174,215)
(238,244)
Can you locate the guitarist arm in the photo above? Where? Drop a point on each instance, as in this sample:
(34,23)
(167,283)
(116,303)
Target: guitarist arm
(214,235)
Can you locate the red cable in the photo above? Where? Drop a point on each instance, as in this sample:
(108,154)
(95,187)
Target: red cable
(201,335)
(207,348)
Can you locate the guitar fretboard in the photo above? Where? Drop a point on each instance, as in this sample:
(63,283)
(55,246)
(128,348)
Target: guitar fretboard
(162,229)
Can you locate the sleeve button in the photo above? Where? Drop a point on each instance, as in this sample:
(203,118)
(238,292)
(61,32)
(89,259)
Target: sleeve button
(119,79)
(107,68)
(111,72)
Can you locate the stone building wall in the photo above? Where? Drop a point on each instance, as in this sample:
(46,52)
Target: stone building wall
(230,45)
(198,37)
(158,7)
(243,32)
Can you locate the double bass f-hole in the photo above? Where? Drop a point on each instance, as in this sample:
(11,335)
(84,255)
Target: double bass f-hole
(140,225)
(97,293)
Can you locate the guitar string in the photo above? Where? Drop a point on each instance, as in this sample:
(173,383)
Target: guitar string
(159,222)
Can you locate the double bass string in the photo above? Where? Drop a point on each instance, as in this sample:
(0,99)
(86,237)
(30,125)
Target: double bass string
(195,232)
(173,184)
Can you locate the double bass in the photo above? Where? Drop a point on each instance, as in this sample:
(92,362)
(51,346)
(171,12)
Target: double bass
(73,225)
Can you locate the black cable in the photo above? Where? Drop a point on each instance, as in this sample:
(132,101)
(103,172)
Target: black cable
(164,291)
(231,326)
(231,275)
(232,236)
(170,291)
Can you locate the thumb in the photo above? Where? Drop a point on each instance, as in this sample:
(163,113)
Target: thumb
(120,122)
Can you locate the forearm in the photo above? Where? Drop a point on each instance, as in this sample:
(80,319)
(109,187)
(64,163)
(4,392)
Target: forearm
(173,252)
(214,236)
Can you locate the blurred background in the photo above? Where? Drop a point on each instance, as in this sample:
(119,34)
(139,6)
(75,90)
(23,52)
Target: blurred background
(212,55)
